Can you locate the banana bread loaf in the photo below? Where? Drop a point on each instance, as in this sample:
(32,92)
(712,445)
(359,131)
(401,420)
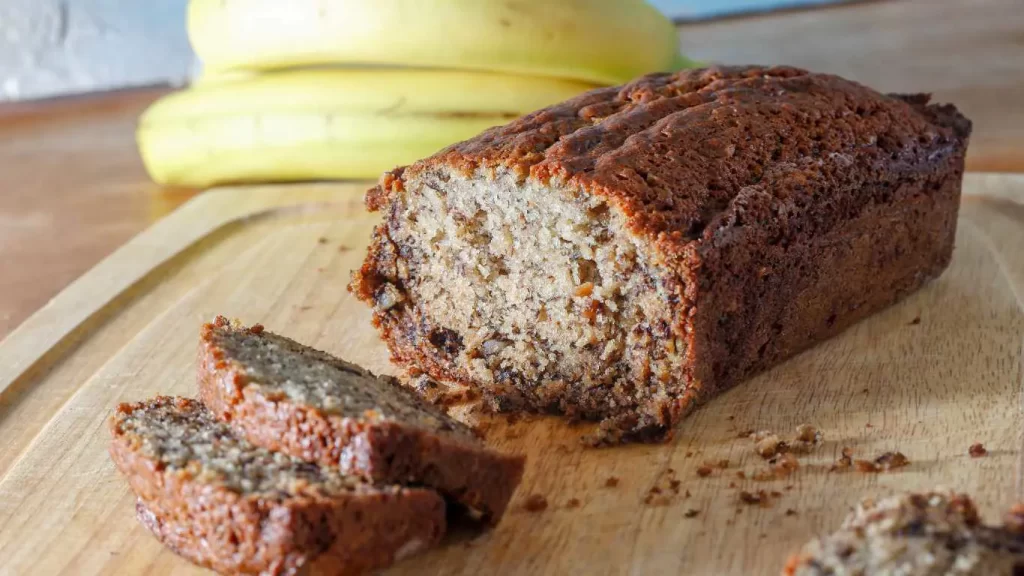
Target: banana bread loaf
(915,535)
(630,253)
(284,396)
(225,504)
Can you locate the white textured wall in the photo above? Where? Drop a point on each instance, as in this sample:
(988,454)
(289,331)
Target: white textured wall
(51,47)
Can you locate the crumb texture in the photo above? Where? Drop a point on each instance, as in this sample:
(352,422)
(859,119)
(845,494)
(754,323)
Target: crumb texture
(289,398)
(541,297)
(181,435)
(931,534)
(280,368)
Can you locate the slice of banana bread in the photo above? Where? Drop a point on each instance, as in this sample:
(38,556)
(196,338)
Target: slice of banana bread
(225,504)
(915,535)
(285,396)
(628,254)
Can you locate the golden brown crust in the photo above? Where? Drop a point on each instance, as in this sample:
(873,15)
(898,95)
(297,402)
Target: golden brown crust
(781,205)
(344,532)
(624,143)
(379,448)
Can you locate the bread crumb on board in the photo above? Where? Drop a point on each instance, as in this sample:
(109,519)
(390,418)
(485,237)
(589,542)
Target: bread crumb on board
(780,467)
(1013,520)
(808,433)
(936,532)
(759,498)
(844,462)
(767,444)
(786,465)
(536,503)
(884,463)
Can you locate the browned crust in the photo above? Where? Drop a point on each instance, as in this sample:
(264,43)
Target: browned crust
(378,449)
(617,142)
(782,206)
(231,533)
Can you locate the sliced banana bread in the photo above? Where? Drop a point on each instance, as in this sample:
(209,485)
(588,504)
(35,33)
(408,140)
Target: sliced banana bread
(628,254)
(915,535)
(285,396)
(225,504)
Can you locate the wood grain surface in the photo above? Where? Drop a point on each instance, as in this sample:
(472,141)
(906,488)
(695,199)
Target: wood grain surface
(928,377)
(969,53)
(72,188)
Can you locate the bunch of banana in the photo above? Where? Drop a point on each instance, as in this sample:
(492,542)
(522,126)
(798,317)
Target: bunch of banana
(333,89)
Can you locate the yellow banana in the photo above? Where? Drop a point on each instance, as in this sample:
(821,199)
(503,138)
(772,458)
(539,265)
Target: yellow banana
(328,124)
(600,41)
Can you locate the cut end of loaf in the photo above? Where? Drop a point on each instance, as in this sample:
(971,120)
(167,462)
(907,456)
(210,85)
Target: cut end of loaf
(536,293)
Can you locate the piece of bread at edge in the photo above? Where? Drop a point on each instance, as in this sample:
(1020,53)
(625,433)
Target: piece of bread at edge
(217,500)
(628,254)
(925,534)
(285,396)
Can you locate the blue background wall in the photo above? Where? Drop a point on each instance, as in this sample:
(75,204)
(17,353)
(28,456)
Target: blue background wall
(697,9)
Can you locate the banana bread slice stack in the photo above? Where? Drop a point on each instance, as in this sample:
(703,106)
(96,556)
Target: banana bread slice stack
(299,462)
(291,398)
(225,504)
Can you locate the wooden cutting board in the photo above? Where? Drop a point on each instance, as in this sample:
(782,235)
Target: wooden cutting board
(929,377)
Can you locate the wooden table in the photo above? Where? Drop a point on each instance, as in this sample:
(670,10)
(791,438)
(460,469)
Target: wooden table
(72,187)
(927,377)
